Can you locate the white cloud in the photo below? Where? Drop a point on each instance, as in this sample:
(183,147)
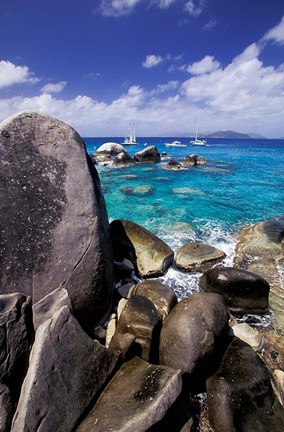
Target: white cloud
(117,7)
(276,34)
(53,88)
(206,65)
(163,88)
(11,74)
(152,60)
(194,7)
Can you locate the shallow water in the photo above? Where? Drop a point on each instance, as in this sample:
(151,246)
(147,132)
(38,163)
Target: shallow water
(242,183)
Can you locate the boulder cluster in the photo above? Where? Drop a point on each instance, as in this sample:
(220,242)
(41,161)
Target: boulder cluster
(90,339)
(114,154)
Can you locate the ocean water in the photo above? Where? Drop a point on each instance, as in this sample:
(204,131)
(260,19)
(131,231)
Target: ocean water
(241,183)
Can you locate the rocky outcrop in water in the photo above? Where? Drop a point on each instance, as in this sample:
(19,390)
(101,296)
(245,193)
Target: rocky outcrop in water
(150,256)
(148,155)
(242,291)
(55,230)
(198,257)
(123,159)
(62,240)
(260,249)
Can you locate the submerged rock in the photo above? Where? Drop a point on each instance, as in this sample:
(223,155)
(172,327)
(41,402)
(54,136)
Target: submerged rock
(123,159)
(198,257)
(190,332)
(137,397)
(55,228)
(148,155)
(240,395)
(140,191)
(172,164)
(150,256)
(242,291)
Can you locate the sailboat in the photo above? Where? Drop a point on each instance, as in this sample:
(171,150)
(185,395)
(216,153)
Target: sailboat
(197,141)
(130,137)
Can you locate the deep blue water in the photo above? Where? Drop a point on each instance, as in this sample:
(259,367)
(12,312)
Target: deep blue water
(242,183)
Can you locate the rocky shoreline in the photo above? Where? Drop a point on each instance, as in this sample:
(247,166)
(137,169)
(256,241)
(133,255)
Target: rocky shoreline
(79,354)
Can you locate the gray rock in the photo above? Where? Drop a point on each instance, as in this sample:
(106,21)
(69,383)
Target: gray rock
(137,397)
(191,330)
(162,296)
(111,148)
(242,291)
(48,305)
(172,164)
(240,395)
(150,256)
(6,409)
(123,159)
(190,160)
(148,155)
(260,249)
(16,334)
(55,230)
(198,257)
(138,318)
(67,368)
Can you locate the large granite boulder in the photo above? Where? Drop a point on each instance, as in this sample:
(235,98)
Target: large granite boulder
(16,335)
(191,330)
(123,159)
(240,394)
(163,297)
(198,257)
(111,148)
(242,291)
(138,318)
(150,256)
(260,249)
(54,224)
(137,397)
(66,370)
(148,155)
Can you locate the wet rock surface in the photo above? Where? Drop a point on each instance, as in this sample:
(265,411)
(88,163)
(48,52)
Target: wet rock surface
(198,257)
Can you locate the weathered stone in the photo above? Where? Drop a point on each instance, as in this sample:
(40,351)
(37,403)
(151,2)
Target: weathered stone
(162,296)
(249,335)
(190,160)
(150,256)
(55,229)
(191,330)
(137,397)
(111,148)
(278,384)
(198,257)
(242,291)
(172,164)
(123,159)
(16,334)
(148,155)
(240,395)
(6,408)
(260,249)
(48,305)
(67,368)
(139,318)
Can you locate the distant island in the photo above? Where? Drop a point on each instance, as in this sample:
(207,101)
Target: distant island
(218,134)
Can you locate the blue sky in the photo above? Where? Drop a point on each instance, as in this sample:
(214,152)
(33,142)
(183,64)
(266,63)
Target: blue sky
(99,64)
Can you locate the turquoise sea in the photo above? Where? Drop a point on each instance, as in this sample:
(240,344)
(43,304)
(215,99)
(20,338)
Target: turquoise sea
(241,183)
